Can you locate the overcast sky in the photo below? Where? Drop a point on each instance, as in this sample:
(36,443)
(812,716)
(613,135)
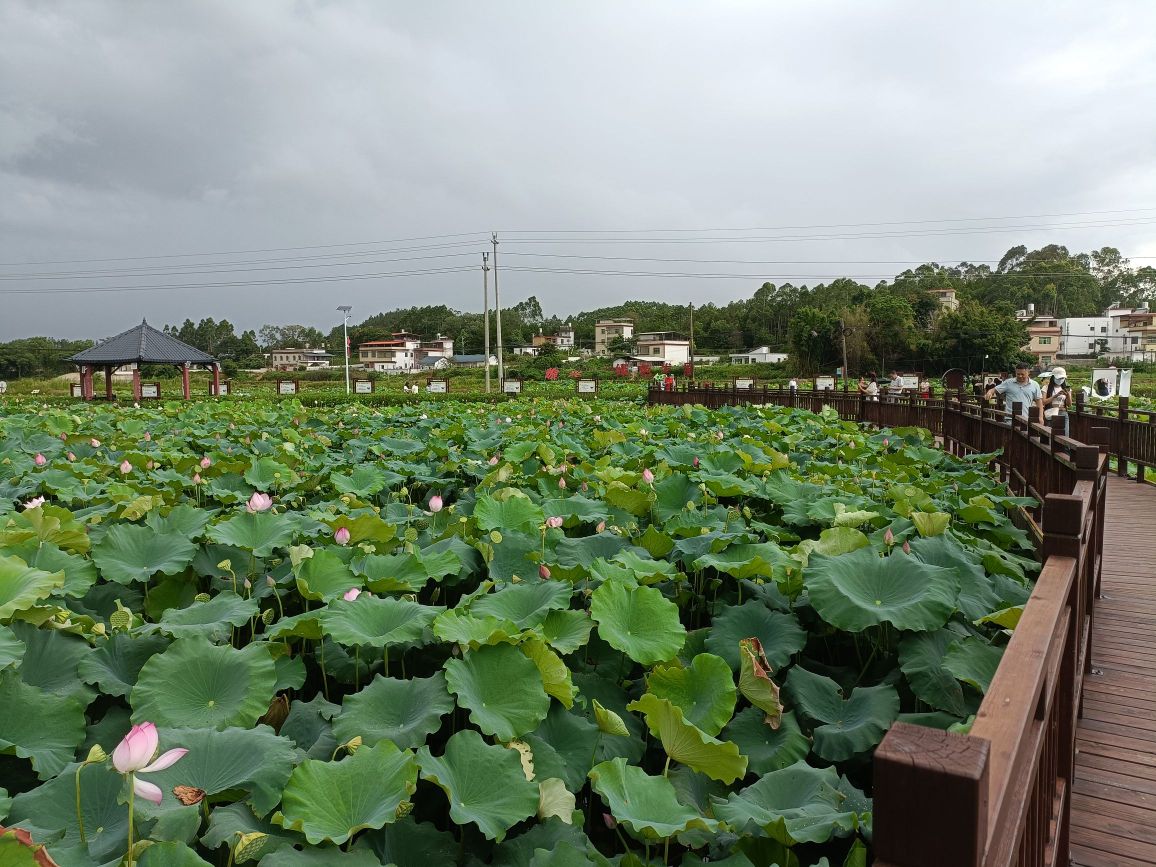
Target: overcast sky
(339,130)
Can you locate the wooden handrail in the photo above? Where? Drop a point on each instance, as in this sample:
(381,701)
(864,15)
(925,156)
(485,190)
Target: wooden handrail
(1000,794)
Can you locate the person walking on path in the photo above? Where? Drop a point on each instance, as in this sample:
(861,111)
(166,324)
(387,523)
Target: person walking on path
(1058,396)
(1021,389)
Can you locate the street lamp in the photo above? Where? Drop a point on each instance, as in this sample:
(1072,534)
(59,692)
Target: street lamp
(345,308)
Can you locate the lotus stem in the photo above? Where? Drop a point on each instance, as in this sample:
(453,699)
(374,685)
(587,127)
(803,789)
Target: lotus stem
(666,767)
(131,804)
(324,676)
(356,668)
(79,814)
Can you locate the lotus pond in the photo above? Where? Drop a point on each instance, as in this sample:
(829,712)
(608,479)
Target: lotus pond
(543,633)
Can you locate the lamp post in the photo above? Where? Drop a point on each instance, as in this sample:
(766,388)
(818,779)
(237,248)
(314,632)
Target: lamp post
(345,308)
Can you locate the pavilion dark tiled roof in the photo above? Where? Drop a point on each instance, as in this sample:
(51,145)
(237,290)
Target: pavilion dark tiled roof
(145,345)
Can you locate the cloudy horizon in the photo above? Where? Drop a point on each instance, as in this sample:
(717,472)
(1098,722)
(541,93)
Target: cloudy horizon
(282,159)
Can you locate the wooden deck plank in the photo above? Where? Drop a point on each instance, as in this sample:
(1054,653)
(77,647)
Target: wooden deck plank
(1114,791)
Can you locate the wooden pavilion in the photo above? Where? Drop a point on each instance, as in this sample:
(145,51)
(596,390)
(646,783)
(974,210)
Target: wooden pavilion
(141,344)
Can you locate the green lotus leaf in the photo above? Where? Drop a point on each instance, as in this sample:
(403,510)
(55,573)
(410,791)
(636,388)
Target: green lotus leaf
(501,688)
(798,804)
(11,648)
(554,799)
(130,553)
(228,823)
(405,573)
(366,528)
(834,541)
(201,685)
(21,586)
(977,595)
(850,725)
(779,633)
(930,523)
(526,605)
(376,621)
(704,691)
(170,854)
(324,576)
(51,661)
(52,808)
(408,843)
(632,570)
(921,661)
(555,675)
(689,744)
(47,524)
(973,661)
(567,630)
(639,621)
(512,513)
(755,681)
(747,561)
(647,805)
(259,532)
(332,801)
(79,572)
(483,783)
(631,500)
(38,725)
(211,619)
(1008,618)
(608,721)
(564,746)
(363,481)
(255,761)
(463,628)
(307,624)
(767,749)
(403,711)
(185,520)
(861,589)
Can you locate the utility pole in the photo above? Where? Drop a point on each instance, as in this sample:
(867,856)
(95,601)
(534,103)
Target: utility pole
(486,316)
(691,340)
(345,308)
(497,312)
(843,337)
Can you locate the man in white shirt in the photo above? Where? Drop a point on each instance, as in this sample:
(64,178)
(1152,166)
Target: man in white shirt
(1022,390)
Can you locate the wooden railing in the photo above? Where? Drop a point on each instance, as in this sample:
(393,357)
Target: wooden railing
(1001,794)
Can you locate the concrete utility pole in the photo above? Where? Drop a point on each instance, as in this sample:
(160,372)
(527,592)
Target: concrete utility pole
(486,316)
(691,347)
(843,337)
(345,308)
(498,313)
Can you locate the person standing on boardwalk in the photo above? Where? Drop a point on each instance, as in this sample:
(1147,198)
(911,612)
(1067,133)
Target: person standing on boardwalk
(1058,396)
(1021,389)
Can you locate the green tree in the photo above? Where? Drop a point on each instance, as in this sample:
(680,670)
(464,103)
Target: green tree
(812,339)
(963,337)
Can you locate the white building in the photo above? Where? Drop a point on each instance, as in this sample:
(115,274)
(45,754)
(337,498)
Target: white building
(298,359)
(563,338)
(946,298)
(663,347)
(607,331)
(758,355)
(402,352)
(1091,336)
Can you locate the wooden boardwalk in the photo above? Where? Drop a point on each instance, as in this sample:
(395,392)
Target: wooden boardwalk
(1114,796)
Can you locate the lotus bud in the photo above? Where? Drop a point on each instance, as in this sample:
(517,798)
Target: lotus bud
(206,463)
(554,522)
(435,503)
(585,487)
(648,476)
(906,547)
(63,436)
(71,456)
(95,443)
(695,462)
(125,467)
(247,584)
(148,437)
(40,460)
(543,572)
(269,582)
(601,528)
(889,537)
(494,461)
(351,594)
(609,821)
(886,442)
(562,484)
(341,536)
(196,478)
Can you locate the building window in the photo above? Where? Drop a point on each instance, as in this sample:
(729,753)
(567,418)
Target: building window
(1091,346)
(1103,329)
(1045,341)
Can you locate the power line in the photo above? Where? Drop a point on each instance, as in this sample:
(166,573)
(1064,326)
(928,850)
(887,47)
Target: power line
(767,276)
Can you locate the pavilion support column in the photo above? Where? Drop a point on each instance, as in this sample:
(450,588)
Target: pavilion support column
(86,382)
(185,380)
(136,384)
(216,380)
(108,382)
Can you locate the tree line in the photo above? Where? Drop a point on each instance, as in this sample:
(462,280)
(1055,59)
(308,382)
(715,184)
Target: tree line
(894,323)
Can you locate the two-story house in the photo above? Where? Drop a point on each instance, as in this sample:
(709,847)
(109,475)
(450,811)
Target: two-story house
(607,331)
(1044,334)
(662,347)
(298,359)
(400,353)
(563,338)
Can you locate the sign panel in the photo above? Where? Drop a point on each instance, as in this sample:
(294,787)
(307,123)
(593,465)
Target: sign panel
(225,387)
(587,386)
(1104,382)
(286,386)
(1125,388)
(363,386)
(437,386)
(822,383)
(744,382)
(512,386)
(909,381)
(75,389)
(150,390)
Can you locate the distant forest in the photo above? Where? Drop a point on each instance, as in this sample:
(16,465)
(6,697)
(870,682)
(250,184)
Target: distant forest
(893,323)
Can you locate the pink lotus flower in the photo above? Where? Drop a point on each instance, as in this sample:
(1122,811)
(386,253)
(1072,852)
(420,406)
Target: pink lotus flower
(134,755)
(554,522)
(63,436)
(886,442)
(125,467)
(906,548)
(888,537)
(648,476)
(196,478)
(34,503)
(695,462)
(71,456)
(148,437)
(601,527)
(341,537)
(40,460)
(259,502)
(95,443)
(351,594)
(205,463)
(543,572)
(435,503)
(494,461)
(562,484)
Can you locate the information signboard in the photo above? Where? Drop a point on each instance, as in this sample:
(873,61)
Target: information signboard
(437,386)
(512,386)
(743,383)
(822,383)
(587,386)
(286,386)
(363,386)
(150,390)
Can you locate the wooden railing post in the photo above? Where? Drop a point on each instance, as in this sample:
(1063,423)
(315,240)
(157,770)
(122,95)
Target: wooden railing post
(931,798)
